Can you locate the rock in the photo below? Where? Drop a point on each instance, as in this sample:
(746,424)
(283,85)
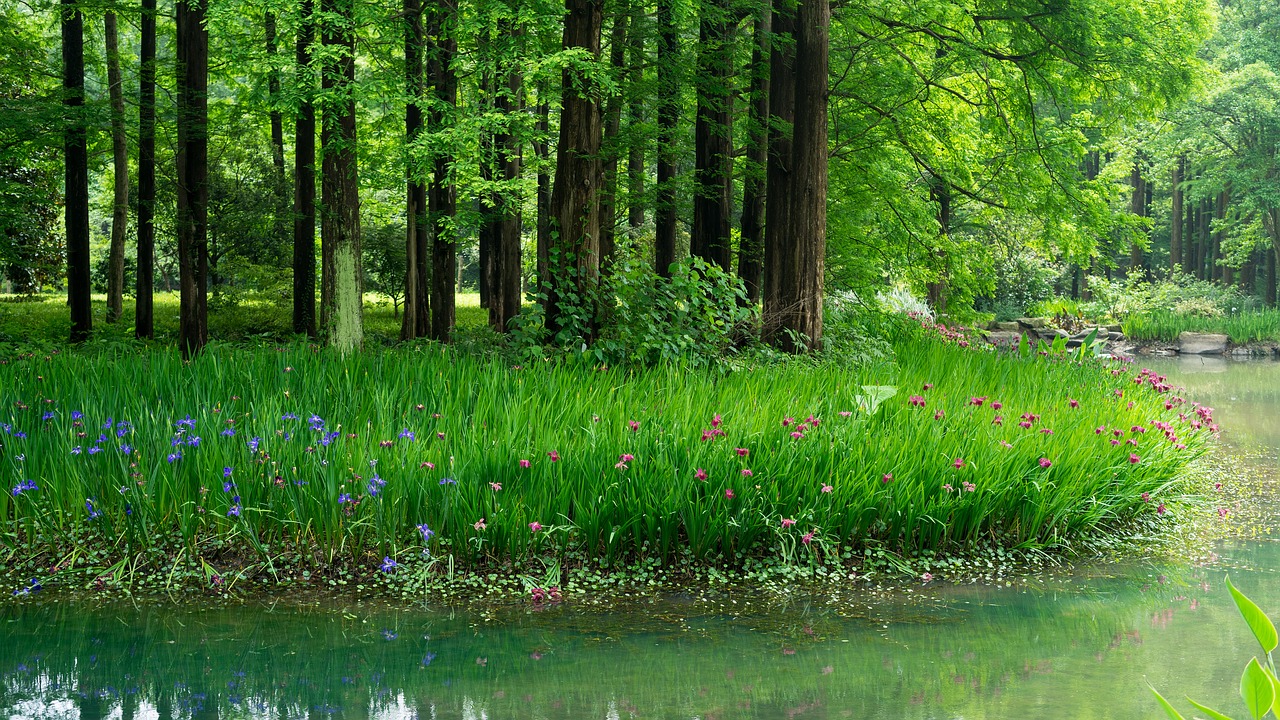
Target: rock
(1006,326)
(1004,338)
(1242,352)
(1050,334)
(1074,344)
(1190,343)
(1117,328)
(1114,336)
(1033,323)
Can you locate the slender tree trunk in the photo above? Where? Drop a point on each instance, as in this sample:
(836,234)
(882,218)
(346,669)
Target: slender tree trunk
(636,142)
(940,192)
(611,148)
(542,149)
(575,204)
(751,248)
(1175,221)
(1219,214)
(193,190)
(664,244)
(1273,256)
(1137,204)
(120,172)
(488,219)
(779,235)
(416,190)
(713,151)
(273,96)
(144,316)
(340,222)
(444,198)
(76,157)
(304,182)
(505,303)
(802,288)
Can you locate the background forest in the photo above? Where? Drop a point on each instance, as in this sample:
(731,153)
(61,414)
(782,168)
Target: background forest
(599,162)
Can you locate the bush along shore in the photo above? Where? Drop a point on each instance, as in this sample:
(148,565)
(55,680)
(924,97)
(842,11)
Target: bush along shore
(386,469)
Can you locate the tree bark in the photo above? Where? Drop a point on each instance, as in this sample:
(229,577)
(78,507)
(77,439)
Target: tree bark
(664,243)
(144,314)
(1175,215)
(342,277)
(611,149)
(803,286)
(1137,206)
(76,159)
(415,297)
(304,182)
(193,190)
(713,130)
(273,96)
(542,149)
(575,204)
(505,303)
(751,248)
(485,198)
(636,143)
(936,291)
(120,173)
(443,193)
(778,231)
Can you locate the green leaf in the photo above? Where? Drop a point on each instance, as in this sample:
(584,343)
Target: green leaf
(1256,690)
(1263,630)
(1173,714)
(1275,687)
(1213,714)
(874,395)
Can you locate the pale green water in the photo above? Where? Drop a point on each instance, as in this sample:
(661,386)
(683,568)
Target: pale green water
(1078,648)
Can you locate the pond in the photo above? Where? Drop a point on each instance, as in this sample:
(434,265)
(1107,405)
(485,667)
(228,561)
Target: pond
(1080,646)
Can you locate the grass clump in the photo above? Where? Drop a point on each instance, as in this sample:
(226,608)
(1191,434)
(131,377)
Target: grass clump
(379,458)
(1262,325)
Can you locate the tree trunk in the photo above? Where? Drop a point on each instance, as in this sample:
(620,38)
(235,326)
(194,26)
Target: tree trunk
(664,243)
(713,151)
(778,231)
(1137,205)
(192,186)
(636,143)
(611,149)
(415,190)
(1273,257)
(1219,214)
(505,303)
(120,172)
(542,149)
(485,198)
(802,288)
(443,193)
(751,249)
(1175,216)
(940,192)
(76,157)
(144,315)
(575,205)
(304,182)
(343,309)
(273,96)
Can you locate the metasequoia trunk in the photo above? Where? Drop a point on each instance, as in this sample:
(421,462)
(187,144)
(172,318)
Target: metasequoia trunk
(575,204)
(611,149)
(506,291)
(713,151)
(304,182)
(76,159)
(1219,214)
(144,315)
(751,248)
(443,193)
(542,149)
(193,190)
(778,231)
(1175,215)
(415,305)
(936,291)
(120,172)
(801,319)
(273,96)
(636,143)
(343,309)
(485,198)
(1137,206)
(664,242)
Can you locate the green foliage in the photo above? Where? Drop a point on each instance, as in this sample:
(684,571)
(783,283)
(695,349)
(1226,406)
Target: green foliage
(1022,280)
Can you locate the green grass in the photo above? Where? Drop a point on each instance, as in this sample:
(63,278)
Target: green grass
(1241,328)
(475,420)
(44,320)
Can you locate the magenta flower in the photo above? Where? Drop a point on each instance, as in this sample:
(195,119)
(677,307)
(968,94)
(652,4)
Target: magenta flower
(1160,509)
(938,415)
(715,421)
(807,538)
(1217,486)
(968,486)
(1073,403)
(1100,429)
(1146,497)
(977,401)
(888,478)
(1222,512)
(959,463)
(479,525)
(997,405)
(626,457)
(742,452)
(728,493)
(524,463)
(796,434)
(947,487)
(1134,459)
(1045,463)
(787,421)
(635,426)
(928,387)
(915,401)
(927,577)
(555,456)
(535,526)
(1046,431)
(998,420)
(440,435)
(746,472)
(496,486)
(700,474)
(787,522)
(827,489)
(1025,424)
(845,413)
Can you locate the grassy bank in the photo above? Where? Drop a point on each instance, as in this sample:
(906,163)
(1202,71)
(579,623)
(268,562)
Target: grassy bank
(1241,328)
(389,458)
